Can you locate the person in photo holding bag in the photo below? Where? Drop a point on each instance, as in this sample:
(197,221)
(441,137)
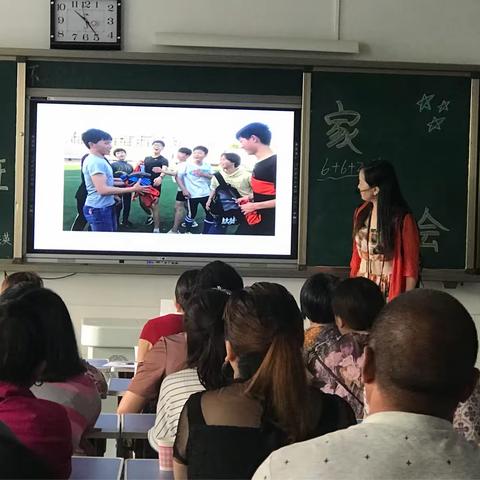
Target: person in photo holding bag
(227,185)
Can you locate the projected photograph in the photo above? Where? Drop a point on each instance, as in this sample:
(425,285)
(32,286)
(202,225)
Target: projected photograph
(173,179)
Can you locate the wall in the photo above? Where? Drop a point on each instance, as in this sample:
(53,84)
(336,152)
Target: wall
(389,30)
(128,296)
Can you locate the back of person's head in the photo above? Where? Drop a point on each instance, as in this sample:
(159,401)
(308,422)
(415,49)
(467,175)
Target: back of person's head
(62,359)
(257,129)
(357,302)
(185,286)
(424,346)
(94,135)
(23,346)
(264,327)
(30,278)
(219,274)
(316,298)
(205,336)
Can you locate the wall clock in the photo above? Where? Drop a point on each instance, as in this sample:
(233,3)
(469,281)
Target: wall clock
(85,24)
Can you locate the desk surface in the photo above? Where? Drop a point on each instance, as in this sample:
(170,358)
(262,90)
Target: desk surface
(106,426)
(105,365)
(145,469)
(118,386)
(137,425)
(97,468)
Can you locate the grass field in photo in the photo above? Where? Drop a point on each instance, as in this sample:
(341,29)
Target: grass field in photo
(137,215)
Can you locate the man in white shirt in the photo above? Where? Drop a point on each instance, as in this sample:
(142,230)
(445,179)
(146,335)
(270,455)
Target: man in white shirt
(419,364)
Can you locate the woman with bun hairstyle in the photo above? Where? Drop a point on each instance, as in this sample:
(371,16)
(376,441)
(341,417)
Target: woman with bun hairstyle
(386,241)
(228,432)
(204,328)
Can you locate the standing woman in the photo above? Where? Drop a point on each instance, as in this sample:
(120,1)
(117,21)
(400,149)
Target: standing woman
(386,242)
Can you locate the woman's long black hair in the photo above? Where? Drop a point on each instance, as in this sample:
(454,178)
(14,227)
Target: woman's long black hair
(391,206)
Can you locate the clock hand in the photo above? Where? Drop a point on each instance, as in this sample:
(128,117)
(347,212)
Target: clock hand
(80,15)
(88,23)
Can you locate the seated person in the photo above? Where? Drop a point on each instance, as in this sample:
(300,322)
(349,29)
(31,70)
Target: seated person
(169,354)
(316,305)
(356,302)
(171,323)
(228,432)
(205,357)
(40,425)
(32,278)
(64,379)
(419,364)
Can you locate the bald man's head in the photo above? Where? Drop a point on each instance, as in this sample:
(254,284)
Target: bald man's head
(425,342)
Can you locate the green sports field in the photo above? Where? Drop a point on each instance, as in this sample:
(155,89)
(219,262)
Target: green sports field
(137,215)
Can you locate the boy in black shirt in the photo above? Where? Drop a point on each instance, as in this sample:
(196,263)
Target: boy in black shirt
(255,140)
(153,165)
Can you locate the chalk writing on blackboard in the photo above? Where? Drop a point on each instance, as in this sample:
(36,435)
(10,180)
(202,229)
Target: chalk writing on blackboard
(435,123)
(339,170)
(341,133)
(5,239)
(430,230)
(2,171)
(443,107)
(424,102)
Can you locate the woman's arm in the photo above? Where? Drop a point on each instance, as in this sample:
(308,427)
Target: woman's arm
(180,471)
(410,251)
(143,348)
(410,283)
(131,403)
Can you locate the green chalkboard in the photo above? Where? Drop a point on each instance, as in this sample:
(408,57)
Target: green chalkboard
(166,78)
(8,89)
(421,125)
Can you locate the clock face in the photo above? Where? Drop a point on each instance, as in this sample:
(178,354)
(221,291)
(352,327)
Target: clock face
(85,24)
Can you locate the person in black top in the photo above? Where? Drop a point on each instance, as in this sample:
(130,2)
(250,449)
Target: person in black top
(121,166)
(80,221)
(154,166)
(228,432)
(255,140)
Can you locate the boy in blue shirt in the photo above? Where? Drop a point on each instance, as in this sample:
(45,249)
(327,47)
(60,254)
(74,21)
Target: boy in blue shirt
(194,181)
(99,208)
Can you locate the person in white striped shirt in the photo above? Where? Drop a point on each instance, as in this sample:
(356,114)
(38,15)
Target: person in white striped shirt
(206,353)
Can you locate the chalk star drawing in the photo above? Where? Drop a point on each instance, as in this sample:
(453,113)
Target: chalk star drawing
(443,107)
(424,102)
(435,123)
(5,239)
